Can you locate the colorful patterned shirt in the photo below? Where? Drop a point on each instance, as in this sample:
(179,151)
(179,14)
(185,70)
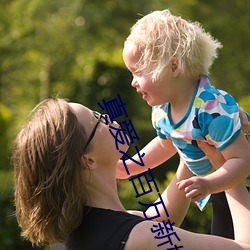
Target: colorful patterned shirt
(213,115)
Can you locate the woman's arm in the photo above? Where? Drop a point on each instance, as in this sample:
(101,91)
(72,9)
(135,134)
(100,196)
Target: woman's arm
(245,123)
(143,237)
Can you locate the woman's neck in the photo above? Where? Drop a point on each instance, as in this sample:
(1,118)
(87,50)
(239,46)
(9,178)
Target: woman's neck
(102,189)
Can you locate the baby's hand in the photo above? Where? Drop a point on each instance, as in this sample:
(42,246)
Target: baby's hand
(194,187)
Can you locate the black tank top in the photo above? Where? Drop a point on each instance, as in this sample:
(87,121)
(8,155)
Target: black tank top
(102,229)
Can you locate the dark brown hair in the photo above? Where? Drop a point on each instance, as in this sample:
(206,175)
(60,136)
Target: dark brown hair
(49,180)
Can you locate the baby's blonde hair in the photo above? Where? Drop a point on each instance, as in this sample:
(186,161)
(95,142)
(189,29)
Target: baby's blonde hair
(161,36)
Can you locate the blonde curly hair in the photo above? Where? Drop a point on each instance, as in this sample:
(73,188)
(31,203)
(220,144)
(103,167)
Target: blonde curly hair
(49,180)
(160,36)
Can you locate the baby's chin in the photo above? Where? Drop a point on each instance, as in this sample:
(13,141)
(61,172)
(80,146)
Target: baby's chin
(153,103)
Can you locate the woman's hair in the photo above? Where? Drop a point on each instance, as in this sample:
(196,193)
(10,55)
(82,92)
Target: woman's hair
(49,180)
(160,36)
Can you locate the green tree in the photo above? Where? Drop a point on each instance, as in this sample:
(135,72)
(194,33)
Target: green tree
(73,48)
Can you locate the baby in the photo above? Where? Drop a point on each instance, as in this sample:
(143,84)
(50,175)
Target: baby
(170,59)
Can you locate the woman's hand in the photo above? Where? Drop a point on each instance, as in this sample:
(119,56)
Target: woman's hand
(245,124)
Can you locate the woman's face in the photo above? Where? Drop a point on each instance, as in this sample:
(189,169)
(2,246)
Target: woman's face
(103,143)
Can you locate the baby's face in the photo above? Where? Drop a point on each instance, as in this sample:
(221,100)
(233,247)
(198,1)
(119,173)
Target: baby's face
(152,92)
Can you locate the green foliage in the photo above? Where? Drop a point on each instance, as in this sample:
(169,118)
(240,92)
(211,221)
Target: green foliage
(5,124)
(245,103)
(73,48)
(230,71)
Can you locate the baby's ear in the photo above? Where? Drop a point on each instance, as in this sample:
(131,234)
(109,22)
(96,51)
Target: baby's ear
(175,66)
(89,161)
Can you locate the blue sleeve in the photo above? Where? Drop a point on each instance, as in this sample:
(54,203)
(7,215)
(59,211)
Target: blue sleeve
(162,136)
(219,120)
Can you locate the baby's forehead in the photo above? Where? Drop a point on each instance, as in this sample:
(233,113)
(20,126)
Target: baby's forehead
(131,47)
(135,51)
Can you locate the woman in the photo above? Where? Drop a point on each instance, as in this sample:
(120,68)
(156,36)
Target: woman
(65,188)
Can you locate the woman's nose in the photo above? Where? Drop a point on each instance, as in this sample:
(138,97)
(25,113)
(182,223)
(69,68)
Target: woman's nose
(108,119)
(111,122)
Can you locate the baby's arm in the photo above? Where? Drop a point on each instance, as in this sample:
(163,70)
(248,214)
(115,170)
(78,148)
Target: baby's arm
(156,152)
(174,199)
(233,172)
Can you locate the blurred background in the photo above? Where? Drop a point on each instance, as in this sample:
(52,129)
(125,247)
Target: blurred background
(72,48)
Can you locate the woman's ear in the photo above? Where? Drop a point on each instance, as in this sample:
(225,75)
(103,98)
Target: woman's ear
(175,66)
(89,161)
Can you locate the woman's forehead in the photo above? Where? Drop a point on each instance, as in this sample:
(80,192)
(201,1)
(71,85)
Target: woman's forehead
(78,108)
(82,113)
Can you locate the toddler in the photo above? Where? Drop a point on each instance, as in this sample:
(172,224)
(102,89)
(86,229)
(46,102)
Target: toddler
(170,59)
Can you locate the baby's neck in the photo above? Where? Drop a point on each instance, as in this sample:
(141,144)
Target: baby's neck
(181,103)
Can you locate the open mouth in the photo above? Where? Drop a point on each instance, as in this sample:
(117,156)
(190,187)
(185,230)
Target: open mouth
(144,95)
